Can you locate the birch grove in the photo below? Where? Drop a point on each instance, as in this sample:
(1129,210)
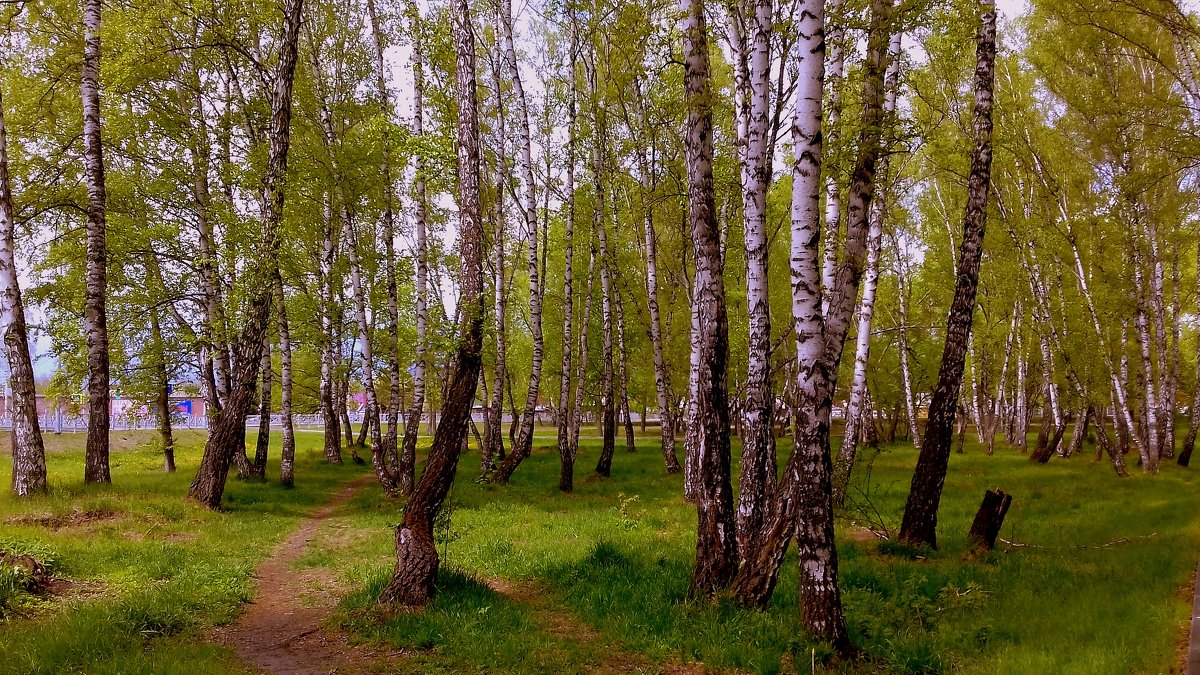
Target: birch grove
(732,229)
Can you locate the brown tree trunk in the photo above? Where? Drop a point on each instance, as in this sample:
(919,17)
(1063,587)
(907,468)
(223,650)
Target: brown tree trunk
(223,440)
(95,316)
(413,580)
(988,520)
(919,525)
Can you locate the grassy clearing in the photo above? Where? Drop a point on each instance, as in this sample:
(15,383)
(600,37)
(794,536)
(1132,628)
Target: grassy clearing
(617,555)
(150,570)
(610,565)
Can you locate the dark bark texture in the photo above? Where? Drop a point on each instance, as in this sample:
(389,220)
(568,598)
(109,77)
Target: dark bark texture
(919,525)
(415,574)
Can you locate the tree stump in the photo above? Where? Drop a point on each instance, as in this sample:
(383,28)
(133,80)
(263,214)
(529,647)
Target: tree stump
(988,520)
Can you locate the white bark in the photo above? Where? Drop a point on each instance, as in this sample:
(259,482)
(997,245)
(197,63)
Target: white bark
(29,454)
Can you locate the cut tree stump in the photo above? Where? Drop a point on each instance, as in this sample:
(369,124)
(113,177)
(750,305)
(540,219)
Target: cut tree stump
(988,520)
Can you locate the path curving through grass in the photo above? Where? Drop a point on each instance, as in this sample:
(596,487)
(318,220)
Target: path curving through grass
(283,629)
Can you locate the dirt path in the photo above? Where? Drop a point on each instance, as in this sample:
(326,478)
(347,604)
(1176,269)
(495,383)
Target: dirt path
(281,630)
(554,620)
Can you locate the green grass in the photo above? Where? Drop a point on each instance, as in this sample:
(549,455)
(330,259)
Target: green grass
(617,556)
(610,564)
(151,570)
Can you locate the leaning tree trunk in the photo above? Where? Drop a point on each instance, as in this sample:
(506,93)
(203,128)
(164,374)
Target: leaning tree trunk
(803,507)
(371,417)
(524,443)
(408,453)
(287,454)
(413,581)
(95,315)
(757,479)
(919,525)
(223,439)
(28,452)
(866,313)
(716,547)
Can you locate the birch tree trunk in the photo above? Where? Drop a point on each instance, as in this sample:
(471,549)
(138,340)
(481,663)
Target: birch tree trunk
(492,430)
(95,315)
(391,354)
(910,408)
(366,355)
(287,453)
(162,390)
(608,406)
(223,439)
(328,387)
(566,471)
(212,348)
(623,364)
(716,546)
(413,581)
(834,77)
(919,525)
(524,443)
(661,382)
(758,462)
(803,507)
(566,415)
(1151,439)
(866,313)
(408,453)
(28,452)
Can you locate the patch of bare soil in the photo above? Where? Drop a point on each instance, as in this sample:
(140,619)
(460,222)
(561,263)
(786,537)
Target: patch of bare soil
(282,630)
(561,624)
(36,580)
(76,518)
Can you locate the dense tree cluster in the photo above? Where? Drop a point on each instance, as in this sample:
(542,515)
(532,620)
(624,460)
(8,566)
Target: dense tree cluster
(600,211)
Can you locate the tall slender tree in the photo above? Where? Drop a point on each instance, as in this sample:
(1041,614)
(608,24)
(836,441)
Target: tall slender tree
(225,435)
(95,313)
(28,452)
(716,545)
(920,513)
(416,569)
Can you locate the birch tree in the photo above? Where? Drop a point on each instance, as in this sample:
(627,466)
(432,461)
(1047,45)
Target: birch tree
(95,314)
(415,574)
(28,452)
(716,547)
(920,513)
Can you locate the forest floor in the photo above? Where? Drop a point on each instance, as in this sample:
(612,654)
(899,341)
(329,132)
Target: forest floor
(1096,576)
